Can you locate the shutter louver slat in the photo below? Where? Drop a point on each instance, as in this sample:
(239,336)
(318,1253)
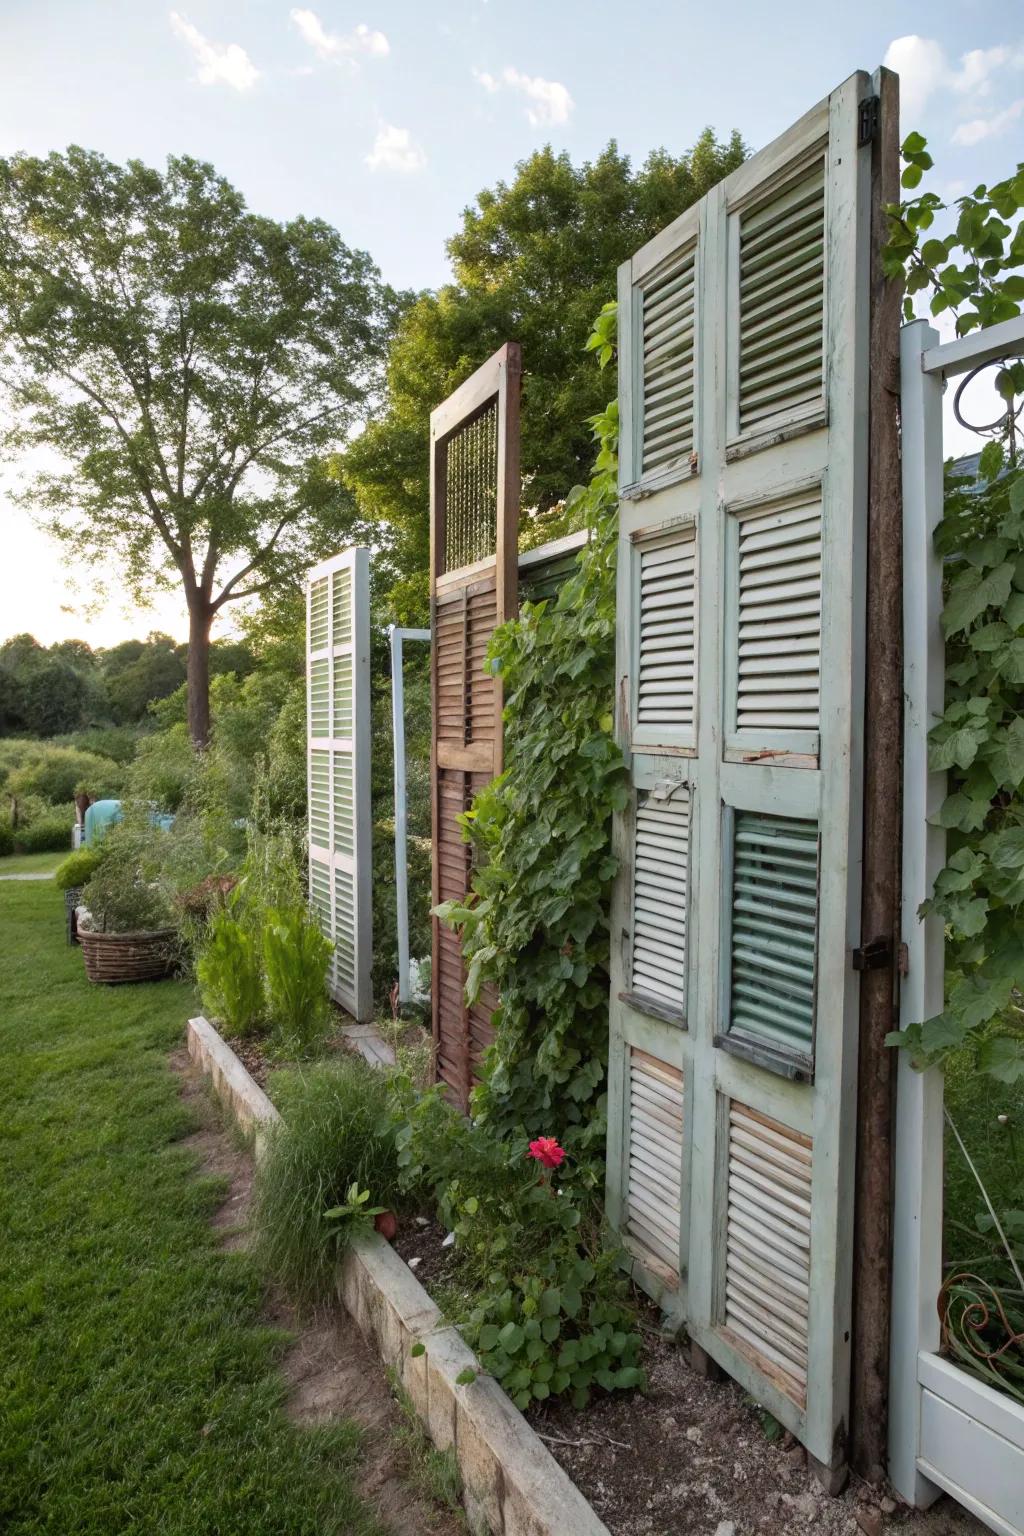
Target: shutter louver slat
(319,697)
(655,1146)
(782,303)
(344,935)
(343,698)
(774,930)
(319,799)
(779,620)
(318,614)
(668,366)
(341,597)
(344,804)
(660,871)
(767,1268)
(667,618)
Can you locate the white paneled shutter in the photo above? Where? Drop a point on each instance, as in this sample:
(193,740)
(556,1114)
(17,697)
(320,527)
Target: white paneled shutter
(338,707)
(743,333)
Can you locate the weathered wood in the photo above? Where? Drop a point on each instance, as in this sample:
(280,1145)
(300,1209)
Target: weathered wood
(466,605)
(883,772)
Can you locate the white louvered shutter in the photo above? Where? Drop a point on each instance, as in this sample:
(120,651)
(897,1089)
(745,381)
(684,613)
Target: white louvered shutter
(740,642)
(338,705)
(654,1158)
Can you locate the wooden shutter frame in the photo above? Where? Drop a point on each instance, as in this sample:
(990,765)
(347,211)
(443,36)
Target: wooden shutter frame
(497,380)
(358,1000)
(785,457)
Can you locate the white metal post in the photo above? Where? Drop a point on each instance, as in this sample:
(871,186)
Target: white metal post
(397,637)
(917,1217)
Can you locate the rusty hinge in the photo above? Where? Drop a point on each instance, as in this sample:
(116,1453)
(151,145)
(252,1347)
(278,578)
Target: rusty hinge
(867,120)
(875,955)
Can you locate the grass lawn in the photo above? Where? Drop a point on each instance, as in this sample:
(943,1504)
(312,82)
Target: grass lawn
(30,863)
(138,1388)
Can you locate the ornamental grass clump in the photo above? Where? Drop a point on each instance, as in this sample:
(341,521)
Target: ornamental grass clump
(336,1134)
(230,975)
(295,960)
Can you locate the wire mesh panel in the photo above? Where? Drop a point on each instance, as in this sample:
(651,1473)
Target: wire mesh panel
(474,489)
(471,491)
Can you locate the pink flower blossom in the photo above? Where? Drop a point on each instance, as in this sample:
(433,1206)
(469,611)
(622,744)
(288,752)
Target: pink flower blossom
(547,1151)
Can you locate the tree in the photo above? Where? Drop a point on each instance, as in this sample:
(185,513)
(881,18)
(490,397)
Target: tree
(189,361)
(534,262)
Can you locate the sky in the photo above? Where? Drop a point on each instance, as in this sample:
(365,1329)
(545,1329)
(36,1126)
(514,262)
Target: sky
(386,117)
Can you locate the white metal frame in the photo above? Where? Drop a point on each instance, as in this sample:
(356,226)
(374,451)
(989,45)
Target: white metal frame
(358,865)
(947,1430)
(397,637)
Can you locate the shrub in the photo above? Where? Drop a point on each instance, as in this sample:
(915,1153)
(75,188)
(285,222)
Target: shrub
(47,834)
(55,774)
(548,1309)
(124,895)
(6,837)
(231,975)
(336,1132)
(295,960)
(77,869)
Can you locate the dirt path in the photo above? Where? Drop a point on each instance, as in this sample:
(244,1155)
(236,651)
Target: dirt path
(331,1374)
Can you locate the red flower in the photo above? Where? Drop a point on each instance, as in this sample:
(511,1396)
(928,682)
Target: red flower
(547,1151)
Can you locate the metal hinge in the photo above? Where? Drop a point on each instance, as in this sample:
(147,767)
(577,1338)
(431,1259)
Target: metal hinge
(873,956)
(867,120)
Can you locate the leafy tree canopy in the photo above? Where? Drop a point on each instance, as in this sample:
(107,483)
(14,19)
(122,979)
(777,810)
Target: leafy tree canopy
(187,360)
(534,261)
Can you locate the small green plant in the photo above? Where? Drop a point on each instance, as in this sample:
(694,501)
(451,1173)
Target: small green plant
(230,974)
(295,960)
(77,869)
(355,1212)
(337,1132)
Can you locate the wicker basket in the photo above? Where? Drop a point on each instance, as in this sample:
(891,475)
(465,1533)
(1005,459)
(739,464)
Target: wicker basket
(118,957)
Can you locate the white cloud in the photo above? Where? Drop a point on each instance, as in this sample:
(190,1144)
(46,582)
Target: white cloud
(923,69)
(980,128)
(218,63)
(336,45)
(395,150)
(549,101)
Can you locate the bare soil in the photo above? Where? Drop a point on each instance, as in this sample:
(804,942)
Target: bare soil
(693,1457)
(330,1371)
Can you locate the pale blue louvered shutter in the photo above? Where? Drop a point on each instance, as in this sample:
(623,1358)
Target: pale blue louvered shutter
(743,347)
(338,695)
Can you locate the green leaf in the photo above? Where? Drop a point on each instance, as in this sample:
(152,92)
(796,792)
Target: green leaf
(1002,1058)
(911,176)
(465,1377)
(990,460)
(972,593)
(488,1337)
(511,1337)
(418,1349)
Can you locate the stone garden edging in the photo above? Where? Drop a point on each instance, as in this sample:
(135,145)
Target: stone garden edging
(513,1486)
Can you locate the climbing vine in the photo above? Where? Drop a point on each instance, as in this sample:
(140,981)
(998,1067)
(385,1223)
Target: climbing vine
(537,923)
(974,272)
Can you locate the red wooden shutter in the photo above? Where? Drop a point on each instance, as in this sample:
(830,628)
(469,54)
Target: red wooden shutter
(474,522)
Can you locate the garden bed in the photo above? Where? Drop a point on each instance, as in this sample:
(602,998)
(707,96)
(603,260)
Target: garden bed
(691,1456)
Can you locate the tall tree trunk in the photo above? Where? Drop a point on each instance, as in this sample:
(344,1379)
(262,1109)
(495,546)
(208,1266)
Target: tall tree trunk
(200,620)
